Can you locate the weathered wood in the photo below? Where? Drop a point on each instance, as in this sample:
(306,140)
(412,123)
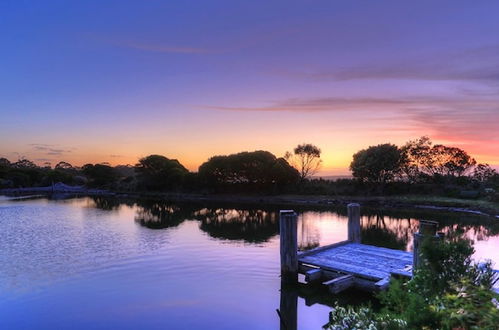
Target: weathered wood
(313,275)
(382,284)
(322,248)
(340,284)
(288,245)
(354,222)
(364,261)
(426,229)
(404,273)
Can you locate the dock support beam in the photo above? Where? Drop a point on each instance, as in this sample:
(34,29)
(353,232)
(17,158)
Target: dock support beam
(427,229)
(354,222)
(289,246)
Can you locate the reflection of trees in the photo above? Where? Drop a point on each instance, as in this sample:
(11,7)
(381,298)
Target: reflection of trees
(107,203)
(391,227)
(250,225)
(381,230)
(158,215)
(308,234)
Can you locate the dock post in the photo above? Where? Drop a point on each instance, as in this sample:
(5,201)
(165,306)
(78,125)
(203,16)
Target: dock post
(289,245)
(354,222)
(426,229)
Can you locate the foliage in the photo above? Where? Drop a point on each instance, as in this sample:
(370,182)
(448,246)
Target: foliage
(341,318)
(306,159)
(257,169)
(100,175)
(157,172)
(447,271)
(448,291)
(483,173)
(424,160)
(377,164)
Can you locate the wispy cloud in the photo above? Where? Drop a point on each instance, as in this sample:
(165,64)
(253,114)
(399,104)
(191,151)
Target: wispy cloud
(466,121)
(49,149)
(476,65)
(337,104)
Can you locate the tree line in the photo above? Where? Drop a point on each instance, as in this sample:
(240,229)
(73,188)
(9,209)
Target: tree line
(415,167)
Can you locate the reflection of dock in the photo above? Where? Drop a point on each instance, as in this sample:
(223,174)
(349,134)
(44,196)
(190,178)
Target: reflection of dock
(348,264)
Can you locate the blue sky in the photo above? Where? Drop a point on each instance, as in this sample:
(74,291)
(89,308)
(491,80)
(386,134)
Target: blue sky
(117,80)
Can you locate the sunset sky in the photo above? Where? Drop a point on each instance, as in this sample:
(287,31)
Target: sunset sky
(113,81)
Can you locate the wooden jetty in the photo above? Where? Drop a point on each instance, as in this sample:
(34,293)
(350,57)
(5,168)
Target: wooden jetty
(349,263)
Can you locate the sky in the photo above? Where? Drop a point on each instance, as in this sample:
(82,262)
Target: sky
(113,81)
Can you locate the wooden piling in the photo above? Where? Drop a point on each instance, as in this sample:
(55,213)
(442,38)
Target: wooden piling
(427,229)
(354,222)
(289,246)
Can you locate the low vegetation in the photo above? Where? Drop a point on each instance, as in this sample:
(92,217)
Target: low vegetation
(448,291)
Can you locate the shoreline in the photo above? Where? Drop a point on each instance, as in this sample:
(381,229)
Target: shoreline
(475,207)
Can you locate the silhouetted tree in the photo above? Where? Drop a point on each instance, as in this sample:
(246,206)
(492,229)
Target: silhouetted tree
(4,162)
(64,166)
(306,159)
(24,163)
(257,169)
(99,175)
(160,173)
(483,173)
(422,159)
(377,164)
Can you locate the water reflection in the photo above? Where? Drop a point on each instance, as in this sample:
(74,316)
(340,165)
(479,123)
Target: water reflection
(159,215)
(99,256)
(250,225)
(392,228)
(384,231)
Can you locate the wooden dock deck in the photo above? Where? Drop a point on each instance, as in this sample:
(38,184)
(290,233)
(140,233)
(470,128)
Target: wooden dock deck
(361,260)
(347,264)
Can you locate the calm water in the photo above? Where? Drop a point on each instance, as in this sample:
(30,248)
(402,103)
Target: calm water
(100,264)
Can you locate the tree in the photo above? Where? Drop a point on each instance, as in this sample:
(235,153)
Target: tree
(24,163)
(99,174)
(306,159)
(377,164)
(483,173)
(256,169)
(422,159)
(64,166)
(157,172)
(4,162)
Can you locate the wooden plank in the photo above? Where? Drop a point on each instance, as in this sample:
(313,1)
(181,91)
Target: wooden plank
(321,249)
(397,273)
(339,284)
(374,268)
(349,269)
(358,257)
(379,250)
(325,273)
(382,284)
(313,275)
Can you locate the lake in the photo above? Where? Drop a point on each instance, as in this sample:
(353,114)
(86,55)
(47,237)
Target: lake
(102,263)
